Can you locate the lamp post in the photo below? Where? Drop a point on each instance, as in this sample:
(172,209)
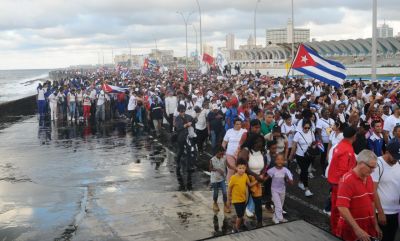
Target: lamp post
(185,20)
(255,36)
(197,57)
(292,37)
(201,38)
(373,50)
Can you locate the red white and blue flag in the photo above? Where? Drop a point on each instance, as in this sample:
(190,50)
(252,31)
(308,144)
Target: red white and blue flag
(114,89)
(309,62)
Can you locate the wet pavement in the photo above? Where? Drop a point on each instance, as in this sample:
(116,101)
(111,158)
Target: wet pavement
(111,182)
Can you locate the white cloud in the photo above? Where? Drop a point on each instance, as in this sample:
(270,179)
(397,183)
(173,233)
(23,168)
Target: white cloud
(55,33)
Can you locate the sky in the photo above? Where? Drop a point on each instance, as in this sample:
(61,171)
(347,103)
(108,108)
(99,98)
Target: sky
(60,33)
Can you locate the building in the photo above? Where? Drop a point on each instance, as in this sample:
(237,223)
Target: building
(128,60)
(162,56)
(208,49)
(351,52)
(230,41)
(384,31)
(284,35)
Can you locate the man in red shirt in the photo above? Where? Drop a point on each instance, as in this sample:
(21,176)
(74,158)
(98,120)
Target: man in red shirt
(343,160)
(355,201)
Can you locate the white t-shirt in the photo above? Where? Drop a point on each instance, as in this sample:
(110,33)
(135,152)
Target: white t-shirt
(101,99)
(256,162)
(388,185)
(326,127)
(390,123)
(201,123)
(303,143)
(329,158)
(289,132)
(233,137)
(132,103)
(335,139)
(40,94)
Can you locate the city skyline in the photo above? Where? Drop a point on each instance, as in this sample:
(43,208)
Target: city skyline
(45,34)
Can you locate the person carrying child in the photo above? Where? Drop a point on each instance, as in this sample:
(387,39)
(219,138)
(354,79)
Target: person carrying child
(237,191)
(217,179)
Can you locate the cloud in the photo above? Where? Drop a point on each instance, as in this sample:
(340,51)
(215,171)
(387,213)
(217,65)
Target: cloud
(45,28)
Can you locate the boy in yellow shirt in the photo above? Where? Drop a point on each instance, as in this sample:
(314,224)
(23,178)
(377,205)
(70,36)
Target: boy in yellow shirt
(237,191)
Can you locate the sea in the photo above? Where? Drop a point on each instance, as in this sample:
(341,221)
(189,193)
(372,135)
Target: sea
(17,84)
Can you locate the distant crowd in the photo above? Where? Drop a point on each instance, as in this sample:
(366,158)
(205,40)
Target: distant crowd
(261,131)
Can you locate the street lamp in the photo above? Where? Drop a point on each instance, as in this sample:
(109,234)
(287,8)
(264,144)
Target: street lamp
(197,56)
(185,20)
(201,38)
(292,37)
(373,50)
(255,35)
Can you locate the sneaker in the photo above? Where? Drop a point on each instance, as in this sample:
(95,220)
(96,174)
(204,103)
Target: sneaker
(275,220)
(301,186)
(327,212)
(298,170)
(215,207)
(323,176)
(310,175)
(284,212)
(308,193)
(284,220)
(249,214)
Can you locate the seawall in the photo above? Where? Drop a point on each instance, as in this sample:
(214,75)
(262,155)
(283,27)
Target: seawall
(18,108)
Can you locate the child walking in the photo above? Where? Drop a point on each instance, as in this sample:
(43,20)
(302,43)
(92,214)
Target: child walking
(218,174)
(279,175)
(237,191)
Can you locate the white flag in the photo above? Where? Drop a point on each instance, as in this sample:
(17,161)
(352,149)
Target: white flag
(221,61)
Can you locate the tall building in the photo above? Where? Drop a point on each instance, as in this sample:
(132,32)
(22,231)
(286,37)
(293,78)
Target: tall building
(230,41)
(251,41)
(384,31)
(208,49)
(284,35)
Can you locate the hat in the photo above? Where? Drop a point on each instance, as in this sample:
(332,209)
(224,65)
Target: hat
(394,149)
(308,93)
(214,106)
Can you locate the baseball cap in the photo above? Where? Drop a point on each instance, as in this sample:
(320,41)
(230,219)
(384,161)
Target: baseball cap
(214,106)
(394,149)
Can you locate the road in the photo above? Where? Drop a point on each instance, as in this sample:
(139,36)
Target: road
(62,182)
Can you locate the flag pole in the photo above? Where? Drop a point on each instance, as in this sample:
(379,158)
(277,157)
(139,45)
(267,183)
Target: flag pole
(290,68)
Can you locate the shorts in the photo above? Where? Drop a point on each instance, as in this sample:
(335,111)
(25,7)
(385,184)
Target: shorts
(240,208)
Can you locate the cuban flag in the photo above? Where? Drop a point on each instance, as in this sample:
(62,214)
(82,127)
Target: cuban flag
(114,89)
(309,62)
(320,145)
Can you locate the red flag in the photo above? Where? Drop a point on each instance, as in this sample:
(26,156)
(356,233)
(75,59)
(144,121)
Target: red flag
(185,77)
(208,58)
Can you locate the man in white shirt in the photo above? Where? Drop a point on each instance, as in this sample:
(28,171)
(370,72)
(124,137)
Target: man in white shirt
(41,101)
(171,104)
(53,105)
(390,122)
(201,127)
(132,107)
(100,108)
(387,190)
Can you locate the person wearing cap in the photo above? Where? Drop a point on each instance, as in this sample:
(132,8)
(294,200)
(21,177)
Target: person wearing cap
(387,190)
(355,201)
(343,160)
(375,141)
(323,130)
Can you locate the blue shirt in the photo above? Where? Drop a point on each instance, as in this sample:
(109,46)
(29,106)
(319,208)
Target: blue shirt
(376,143)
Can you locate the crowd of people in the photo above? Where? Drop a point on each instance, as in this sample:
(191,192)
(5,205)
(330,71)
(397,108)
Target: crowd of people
(261,131)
